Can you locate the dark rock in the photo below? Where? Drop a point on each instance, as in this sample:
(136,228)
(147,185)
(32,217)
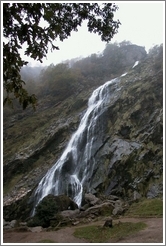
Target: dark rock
(108,223)
(19,210)
(48,210)
(125,131)
(62,202)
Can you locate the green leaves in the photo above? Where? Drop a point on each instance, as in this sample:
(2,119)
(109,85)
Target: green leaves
(12,82)
(22,24)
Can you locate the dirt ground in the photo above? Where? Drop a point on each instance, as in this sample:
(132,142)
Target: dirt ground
(153,233)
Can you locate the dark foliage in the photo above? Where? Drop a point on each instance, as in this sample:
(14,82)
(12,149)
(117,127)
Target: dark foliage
(48,209)
(22,25)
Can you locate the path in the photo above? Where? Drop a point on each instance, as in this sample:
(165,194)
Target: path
(152,234)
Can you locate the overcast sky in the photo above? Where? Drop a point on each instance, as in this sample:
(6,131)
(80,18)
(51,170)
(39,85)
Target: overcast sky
(142,23)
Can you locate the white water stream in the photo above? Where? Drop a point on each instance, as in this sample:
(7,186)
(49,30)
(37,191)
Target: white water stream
(70,172)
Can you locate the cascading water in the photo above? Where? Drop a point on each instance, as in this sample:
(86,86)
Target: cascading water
(70,173)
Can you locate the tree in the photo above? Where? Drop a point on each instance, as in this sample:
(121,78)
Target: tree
(22,24)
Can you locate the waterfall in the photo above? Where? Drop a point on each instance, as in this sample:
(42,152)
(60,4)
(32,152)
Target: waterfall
(70,173)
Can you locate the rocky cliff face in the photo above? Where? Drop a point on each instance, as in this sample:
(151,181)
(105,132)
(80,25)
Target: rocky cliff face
(129,160)
(128,148)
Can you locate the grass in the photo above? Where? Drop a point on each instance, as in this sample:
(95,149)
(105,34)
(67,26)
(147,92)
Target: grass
(146,208)
(143,208)
(99,234)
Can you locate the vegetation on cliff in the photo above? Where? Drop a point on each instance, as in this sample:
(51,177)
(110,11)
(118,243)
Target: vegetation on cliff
(33,141)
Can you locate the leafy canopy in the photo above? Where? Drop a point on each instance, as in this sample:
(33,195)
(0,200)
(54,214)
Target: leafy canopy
(22,25)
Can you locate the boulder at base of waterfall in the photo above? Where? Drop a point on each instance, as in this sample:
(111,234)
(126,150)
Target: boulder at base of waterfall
(49,209)
(104,209)
(91,199)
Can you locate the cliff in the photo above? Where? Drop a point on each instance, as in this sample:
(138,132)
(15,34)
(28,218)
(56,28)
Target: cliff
(128,149)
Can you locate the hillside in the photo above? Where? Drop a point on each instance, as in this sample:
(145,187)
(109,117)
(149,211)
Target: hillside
(128,149)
